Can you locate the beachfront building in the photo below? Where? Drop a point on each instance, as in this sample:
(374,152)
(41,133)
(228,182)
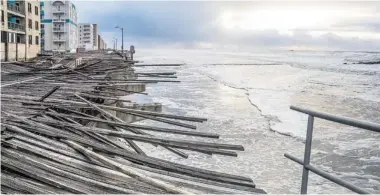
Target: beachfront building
(86,36)
(59,29)
(20,29)
(95,35)
(102,45)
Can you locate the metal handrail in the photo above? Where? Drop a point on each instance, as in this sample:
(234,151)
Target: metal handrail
(309,137)
(340,119)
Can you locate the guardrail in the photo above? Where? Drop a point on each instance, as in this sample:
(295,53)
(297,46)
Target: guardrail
(309,137)
(59,40)
(56,11)
(15,26)
(59,30)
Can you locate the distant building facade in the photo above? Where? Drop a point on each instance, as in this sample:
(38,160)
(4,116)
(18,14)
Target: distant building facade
(102,45)
(95,35)
(88,36)
(59,29)
(20,29)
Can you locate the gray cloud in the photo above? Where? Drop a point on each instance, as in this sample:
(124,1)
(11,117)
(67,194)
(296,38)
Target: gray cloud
(189,23)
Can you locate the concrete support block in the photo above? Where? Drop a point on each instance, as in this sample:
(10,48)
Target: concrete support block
(153,107)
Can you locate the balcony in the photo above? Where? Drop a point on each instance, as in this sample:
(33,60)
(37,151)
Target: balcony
(59,30)
(55,39)
(16,9)
(59,20)
(56,11)
(16,27)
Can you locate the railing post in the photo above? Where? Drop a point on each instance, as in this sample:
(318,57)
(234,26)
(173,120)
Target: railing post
(307,153)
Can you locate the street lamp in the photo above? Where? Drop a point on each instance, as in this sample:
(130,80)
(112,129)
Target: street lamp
(122,39)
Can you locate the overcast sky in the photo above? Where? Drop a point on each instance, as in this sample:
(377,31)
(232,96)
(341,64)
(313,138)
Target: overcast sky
(230,24)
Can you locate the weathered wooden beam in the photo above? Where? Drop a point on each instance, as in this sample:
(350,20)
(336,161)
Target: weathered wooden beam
(149,128)
(130,172)
(65,174)
(164,121)
(48,94)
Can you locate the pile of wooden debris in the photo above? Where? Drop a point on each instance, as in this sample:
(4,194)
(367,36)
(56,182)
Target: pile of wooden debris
(63,132)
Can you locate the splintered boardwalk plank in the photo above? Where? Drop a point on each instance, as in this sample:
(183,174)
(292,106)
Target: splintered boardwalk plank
(50,145)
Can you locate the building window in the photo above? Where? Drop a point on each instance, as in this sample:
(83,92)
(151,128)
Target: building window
(29,8)
(3,35)
(36,10)
(30,24)
(19,39)
(30,39)
(37,25)
(37,41)
(2,14)
(42,26)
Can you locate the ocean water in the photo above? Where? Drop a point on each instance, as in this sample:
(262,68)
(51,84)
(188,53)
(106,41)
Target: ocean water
(246,97)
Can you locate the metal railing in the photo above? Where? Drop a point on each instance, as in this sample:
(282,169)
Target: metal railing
(58,11)
(15,26)
(15,8)
(59,30)
(58,20)
(59,40)
(309,137)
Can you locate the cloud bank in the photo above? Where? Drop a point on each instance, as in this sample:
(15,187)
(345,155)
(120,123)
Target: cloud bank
(282,25)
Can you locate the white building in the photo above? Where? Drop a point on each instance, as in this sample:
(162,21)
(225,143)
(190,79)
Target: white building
(88,36)
(59,31)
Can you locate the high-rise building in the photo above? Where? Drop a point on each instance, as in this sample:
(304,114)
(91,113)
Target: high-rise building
(86,36)
(95,37)
(20,29)
(101,43)
(59,28)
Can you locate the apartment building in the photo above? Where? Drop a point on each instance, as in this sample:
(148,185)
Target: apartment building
(86,34)
(20,29)
(102,45)
(59,29)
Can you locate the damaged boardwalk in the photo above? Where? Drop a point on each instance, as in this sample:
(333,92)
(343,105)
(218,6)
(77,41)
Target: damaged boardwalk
(66,130)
